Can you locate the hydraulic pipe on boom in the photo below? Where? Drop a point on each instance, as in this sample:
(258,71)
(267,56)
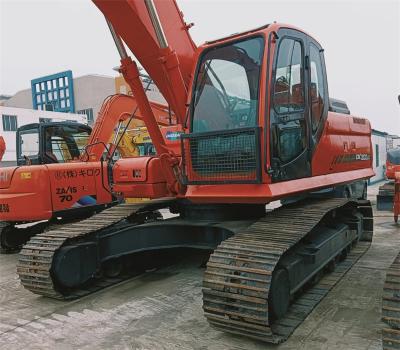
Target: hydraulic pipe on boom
(131,75)
(155,20)
(169,60)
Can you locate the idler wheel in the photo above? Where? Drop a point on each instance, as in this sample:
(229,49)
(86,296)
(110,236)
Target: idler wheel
(113,267)
(10,241)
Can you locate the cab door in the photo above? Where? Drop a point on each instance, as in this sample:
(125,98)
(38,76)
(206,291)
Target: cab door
(317,90)
(290,139)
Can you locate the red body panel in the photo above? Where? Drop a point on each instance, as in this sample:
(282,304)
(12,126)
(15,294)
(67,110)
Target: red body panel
(33,193)
(71,182)
(344,145)
(140,177)
(2,147)
(265,193)
(391,170)
(25,194)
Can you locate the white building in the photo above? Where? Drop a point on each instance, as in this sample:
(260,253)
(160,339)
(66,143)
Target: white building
(381,143)
(12,118)
(378,139)
(89,92)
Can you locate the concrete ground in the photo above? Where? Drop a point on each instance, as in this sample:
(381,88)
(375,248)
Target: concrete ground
(163,310)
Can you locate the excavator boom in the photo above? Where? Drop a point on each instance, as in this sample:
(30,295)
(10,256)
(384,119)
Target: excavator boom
(162,59)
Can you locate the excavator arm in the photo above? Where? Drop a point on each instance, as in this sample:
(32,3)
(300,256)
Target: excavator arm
(116,111)
(135,143)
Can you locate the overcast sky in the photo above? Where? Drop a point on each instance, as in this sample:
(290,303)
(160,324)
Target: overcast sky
(361,41)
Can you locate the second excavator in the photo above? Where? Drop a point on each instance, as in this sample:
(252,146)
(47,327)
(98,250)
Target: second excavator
(389,193)
(61,167)
(256,128)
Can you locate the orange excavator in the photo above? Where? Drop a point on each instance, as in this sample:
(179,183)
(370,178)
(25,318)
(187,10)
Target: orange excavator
(256,127)
(389,193)
(2,147)
(65,163)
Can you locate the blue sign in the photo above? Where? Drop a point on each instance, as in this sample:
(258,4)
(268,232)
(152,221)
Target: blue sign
(173,135)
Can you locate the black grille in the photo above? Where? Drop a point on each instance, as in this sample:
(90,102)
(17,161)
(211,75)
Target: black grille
(231,156)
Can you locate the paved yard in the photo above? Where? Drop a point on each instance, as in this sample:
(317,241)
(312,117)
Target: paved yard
(162,309)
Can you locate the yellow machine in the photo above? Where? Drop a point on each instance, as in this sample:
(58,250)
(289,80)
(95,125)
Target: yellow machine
(135,142)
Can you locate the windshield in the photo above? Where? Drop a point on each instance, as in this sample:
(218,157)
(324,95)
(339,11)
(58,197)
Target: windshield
(226,90)
(29,141)
(65,143)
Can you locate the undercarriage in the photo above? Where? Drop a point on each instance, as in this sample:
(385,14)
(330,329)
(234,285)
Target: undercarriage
(13,235)
(262,279)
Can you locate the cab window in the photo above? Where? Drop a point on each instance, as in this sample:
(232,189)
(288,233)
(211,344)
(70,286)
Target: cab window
(29,141)
(65,143)
(289,133)
(289,83)
(227,84)
(316,87)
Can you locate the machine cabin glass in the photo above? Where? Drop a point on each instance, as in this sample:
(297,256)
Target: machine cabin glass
(298,104)
(64,143)
(227,86)
(224,144)
(29,143)
(43,143)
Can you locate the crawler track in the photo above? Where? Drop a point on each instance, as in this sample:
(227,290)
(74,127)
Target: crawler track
(238,277)
(13,238)
(37,256)
(391,307)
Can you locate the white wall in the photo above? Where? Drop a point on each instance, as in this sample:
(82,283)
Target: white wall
(22,99)
(91,90)
(380,142)
(27,116)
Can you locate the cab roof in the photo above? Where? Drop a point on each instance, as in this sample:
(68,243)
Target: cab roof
(48,124)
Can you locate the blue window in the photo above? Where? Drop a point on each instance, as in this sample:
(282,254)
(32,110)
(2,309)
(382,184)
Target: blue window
(9,122)
(54,92)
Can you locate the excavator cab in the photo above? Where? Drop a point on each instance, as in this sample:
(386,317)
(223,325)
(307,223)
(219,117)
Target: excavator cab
(53,142)
(237,84)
